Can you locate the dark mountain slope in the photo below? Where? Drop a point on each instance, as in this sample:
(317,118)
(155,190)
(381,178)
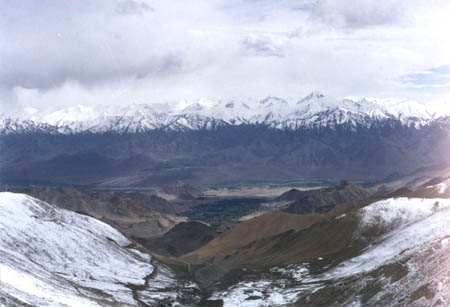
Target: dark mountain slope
(224,154)
(183,238)
(323,200)
(289,196)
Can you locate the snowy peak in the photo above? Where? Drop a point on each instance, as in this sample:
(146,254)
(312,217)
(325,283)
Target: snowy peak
(312,96)
(271,101)
(316,109)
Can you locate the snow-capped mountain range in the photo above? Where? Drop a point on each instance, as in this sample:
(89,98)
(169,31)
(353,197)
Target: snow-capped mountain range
(314,110)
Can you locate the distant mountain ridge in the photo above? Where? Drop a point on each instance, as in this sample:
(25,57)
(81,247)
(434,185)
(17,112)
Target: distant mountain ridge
(314,110)
(226,155)
(223,142)
(324,200)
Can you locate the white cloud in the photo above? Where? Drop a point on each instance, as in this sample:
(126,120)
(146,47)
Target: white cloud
(107,51)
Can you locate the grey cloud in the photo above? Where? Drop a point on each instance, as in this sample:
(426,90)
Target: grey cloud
(263,45)
(82,50)
(87,44)
(358,14)
(88,66)
(132,7)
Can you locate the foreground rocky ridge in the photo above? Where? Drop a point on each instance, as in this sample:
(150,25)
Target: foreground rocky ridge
(51,256)
(140,215)
(392,252)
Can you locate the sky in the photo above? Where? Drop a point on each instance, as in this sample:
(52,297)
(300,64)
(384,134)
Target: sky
(66,52)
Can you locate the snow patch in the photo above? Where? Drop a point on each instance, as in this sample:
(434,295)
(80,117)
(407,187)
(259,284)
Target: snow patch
(441,188)
(412,222)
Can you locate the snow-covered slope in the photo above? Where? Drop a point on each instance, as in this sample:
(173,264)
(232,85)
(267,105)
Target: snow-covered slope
(54,257)
(311,111)
(407,264)
(440,188)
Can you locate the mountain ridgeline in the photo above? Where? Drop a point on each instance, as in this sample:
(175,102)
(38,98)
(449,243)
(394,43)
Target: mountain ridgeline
(271,140)
(324,200)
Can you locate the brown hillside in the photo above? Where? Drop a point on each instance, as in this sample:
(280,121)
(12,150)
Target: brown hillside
(263,226)
(275,238)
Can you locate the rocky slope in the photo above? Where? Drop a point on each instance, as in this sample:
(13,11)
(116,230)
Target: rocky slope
(393,252)
(264,226)
(324,200)
(183,238)
(136,214)
(54,257)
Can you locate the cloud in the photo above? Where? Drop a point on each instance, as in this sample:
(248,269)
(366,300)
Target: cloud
(265,45)
(114,51)
(88,45)
(133,8)
(436,77)
(359,14)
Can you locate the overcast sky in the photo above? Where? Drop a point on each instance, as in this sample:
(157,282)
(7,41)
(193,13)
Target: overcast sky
(127,51)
